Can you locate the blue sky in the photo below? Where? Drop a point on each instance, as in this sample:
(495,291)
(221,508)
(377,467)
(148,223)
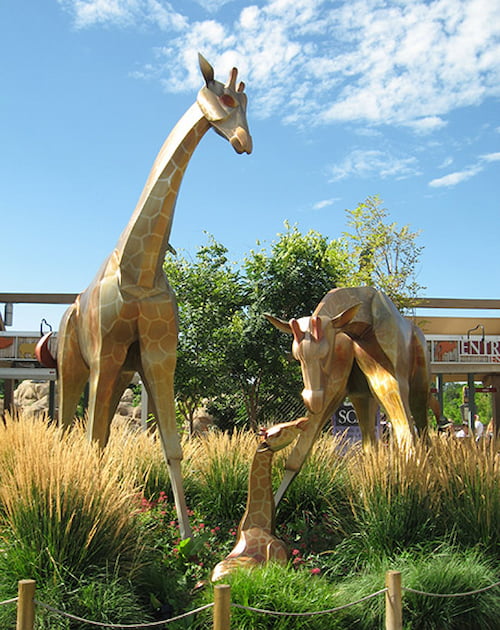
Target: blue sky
(347,99)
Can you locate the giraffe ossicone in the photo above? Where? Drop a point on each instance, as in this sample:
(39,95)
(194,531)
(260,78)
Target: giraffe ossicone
(126,319)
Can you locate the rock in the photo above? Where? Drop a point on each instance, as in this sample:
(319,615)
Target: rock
(32,396)
(202,421)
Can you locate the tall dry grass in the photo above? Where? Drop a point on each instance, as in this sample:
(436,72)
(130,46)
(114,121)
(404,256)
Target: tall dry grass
(72,505)
(393,496)
(316,502)
(65,506)
(467,477)
(215,470)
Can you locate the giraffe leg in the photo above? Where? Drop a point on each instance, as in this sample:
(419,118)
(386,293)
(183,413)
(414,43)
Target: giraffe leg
(366,409)
(392,393)
(158,345)
(104,394)
(124,379)
(169,437)
(72,370)
(419,386)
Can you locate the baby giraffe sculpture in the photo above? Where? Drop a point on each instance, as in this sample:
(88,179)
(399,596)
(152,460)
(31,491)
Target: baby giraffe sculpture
(126,320)
(256,542)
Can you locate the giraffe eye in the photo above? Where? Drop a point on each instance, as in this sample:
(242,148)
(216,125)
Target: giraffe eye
(228,100)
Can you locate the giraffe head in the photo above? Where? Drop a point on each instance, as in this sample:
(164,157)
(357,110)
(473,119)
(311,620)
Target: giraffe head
(313,346)
(281,435)
(225,106)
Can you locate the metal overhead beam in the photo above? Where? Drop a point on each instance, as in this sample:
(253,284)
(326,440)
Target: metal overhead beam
(38,298)
(466,303)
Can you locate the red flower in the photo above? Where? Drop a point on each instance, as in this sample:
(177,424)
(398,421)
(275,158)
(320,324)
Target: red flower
(315,571)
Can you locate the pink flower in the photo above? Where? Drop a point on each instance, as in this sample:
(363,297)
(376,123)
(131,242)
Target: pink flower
(295,552)
(315,571)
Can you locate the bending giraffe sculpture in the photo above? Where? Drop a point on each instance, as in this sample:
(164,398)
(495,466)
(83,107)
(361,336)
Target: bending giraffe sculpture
(356,343)
(256,542)
(126,320)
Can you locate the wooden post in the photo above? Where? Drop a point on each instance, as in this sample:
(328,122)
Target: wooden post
(222,607)
(393,601)
(26,605)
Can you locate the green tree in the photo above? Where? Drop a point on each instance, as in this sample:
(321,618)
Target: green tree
(210,294)
(288,280)
(383,255)
(453,399)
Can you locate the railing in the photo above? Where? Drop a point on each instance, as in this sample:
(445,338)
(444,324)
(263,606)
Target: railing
(393,590)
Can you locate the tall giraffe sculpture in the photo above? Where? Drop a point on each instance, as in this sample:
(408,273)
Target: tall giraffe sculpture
(126,320)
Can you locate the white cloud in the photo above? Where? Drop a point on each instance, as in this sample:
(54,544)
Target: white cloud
(455,178)
(89,13)
(373,163)
(452,179)
(325,203)
(314,61)
(491,157)
(426,124)
(446,162)
(213,5)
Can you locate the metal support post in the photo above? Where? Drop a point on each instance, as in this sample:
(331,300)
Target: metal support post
(472,403)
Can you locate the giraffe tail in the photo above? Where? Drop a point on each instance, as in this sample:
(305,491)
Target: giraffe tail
(43,352)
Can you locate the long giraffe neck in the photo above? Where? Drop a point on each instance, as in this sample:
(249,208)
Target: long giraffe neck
(260,502)
(143,244)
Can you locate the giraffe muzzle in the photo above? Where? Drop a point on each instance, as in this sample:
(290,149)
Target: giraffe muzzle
(241,141)
(313,399)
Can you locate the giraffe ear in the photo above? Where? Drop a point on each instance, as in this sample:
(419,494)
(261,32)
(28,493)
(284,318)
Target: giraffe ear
(206,69)
(345,317)
(280,324)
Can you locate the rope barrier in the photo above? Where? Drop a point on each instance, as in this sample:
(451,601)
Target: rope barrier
(479,590)
(249,608)
(310,614)
(153,624)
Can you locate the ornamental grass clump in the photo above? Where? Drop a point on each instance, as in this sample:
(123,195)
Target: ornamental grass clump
(66,506)
(139,454)
(316,503)
(468,477)
(393,494)
(450,571)
(282,589)
(215,470)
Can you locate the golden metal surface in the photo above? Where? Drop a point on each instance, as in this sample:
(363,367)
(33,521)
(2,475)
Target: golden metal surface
(357,344)
(126,320)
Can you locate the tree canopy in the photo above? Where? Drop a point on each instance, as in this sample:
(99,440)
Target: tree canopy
(228,350)
(383,254)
